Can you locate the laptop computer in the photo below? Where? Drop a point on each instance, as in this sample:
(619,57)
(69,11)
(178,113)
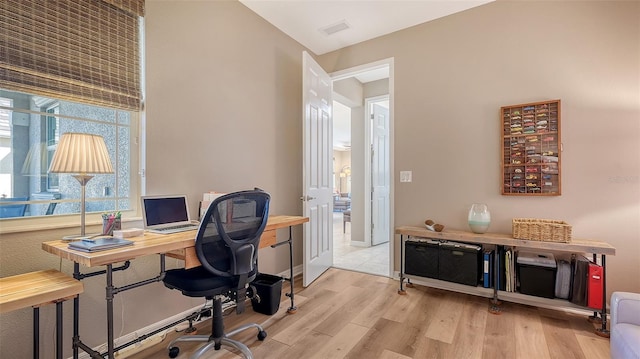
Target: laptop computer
(166,214)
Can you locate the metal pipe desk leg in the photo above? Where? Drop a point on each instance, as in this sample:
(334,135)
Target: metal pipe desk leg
(109,288)
(36,332)
(59,329)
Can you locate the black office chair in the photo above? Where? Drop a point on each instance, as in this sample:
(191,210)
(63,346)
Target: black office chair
(227,246)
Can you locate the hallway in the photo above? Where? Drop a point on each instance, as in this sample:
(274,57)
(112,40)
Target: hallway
(373,260)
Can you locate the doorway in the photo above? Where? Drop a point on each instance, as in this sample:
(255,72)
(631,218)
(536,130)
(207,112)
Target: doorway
(363,215)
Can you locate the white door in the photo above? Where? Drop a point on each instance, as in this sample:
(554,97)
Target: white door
(317,170)
(380,175)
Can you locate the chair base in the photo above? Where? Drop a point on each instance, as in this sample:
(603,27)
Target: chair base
(216,344)
(218,335)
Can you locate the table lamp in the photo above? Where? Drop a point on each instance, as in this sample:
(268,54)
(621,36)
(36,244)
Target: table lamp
(84,155)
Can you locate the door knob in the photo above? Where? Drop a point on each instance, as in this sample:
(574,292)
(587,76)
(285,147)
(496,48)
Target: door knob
(306,198)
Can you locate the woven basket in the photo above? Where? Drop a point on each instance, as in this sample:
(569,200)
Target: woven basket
(547,230)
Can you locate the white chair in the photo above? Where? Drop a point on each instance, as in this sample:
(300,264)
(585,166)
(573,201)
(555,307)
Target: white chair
(625,325)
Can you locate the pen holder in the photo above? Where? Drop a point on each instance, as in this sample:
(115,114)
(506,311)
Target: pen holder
(109,225)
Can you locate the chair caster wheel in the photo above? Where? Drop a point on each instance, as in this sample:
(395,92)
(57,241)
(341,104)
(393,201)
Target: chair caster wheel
(173,352)
(262,335)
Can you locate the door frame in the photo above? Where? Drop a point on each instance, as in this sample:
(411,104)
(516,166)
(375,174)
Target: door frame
(351,72)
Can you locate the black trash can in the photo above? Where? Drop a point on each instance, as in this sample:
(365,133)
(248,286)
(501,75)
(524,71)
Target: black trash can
(269,289)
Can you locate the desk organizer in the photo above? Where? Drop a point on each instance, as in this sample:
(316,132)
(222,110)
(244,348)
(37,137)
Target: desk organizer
(546,230)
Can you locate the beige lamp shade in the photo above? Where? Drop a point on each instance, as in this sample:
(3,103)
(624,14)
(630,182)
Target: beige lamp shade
(81,153)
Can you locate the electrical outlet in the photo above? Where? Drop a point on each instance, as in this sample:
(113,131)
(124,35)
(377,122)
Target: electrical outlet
(405,176)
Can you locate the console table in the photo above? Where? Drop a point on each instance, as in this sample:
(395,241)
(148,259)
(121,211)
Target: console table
(575,246)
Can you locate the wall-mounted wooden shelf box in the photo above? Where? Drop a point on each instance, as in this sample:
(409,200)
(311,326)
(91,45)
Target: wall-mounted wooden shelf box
(531,150)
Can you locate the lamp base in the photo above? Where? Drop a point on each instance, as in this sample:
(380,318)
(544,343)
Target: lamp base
(79,237)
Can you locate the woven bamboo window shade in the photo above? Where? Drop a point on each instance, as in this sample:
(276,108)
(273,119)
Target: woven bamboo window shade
(79,50)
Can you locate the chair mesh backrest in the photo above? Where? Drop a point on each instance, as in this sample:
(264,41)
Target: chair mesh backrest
(229,233)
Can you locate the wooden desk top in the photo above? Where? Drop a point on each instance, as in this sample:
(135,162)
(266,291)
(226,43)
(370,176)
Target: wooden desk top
(36,288)
(149,243)
(576,245)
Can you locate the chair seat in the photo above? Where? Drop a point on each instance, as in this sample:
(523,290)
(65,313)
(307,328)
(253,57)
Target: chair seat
(197,282)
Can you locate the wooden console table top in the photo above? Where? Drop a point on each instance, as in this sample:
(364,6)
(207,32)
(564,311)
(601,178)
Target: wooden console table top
(576,245)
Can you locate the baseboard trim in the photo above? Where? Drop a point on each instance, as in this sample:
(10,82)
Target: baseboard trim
(138,333)
(297,270)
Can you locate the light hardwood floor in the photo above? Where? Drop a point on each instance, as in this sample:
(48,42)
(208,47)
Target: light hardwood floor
(347,314)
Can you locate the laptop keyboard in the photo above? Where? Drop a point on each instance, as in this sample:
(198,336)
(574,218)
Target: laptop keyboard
(178,228)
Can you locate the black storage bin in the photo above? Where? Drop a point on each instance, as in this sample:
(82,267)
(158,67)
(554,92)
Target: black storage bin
(537,274)
(269,289)
(421,258)
(460,263)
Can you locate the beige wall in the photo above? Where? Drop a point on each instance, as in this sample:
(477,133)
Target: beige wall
(453,74)
(223,107)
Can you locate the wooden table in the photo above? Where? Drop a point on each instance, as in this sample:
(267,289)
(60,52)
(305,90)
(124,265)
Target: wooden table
(502,239)
(178,245)
(36,289)
(268,239)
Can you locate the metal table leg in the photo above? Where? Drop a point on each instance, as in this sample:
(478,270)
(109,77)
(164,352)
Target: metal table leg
(292,309)
(36,332)
(109,290)
(603,331)
(402,291)
(495,302)
(59,329)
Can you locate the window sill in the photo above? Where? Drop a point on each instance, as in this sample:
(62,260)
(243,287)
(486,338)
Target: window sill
(44,223)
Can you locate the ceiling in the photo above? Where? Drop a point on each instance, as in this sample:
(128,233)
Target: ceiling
(312,22)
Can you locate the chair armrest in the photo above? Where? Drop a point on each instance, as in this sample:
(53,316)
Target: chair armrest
(625,308)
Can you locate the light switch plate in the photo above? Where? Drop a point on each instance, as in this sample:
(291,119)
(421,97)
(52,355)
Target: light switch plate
(405,176)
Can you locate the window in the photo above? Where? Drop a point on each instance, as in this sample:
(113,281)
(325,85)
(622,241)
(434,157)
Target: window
(81,83)
(30,129)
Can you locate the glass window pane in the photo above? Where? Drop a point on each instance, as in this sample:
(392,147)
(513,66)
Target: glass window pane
(30,130)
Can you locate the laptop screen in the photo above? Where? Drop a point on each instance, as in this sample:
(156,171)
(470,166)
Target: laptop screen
(165,210)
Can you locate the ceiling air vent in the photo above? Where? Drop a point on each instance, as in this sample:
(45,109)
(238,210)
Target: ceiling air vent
(332,29)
